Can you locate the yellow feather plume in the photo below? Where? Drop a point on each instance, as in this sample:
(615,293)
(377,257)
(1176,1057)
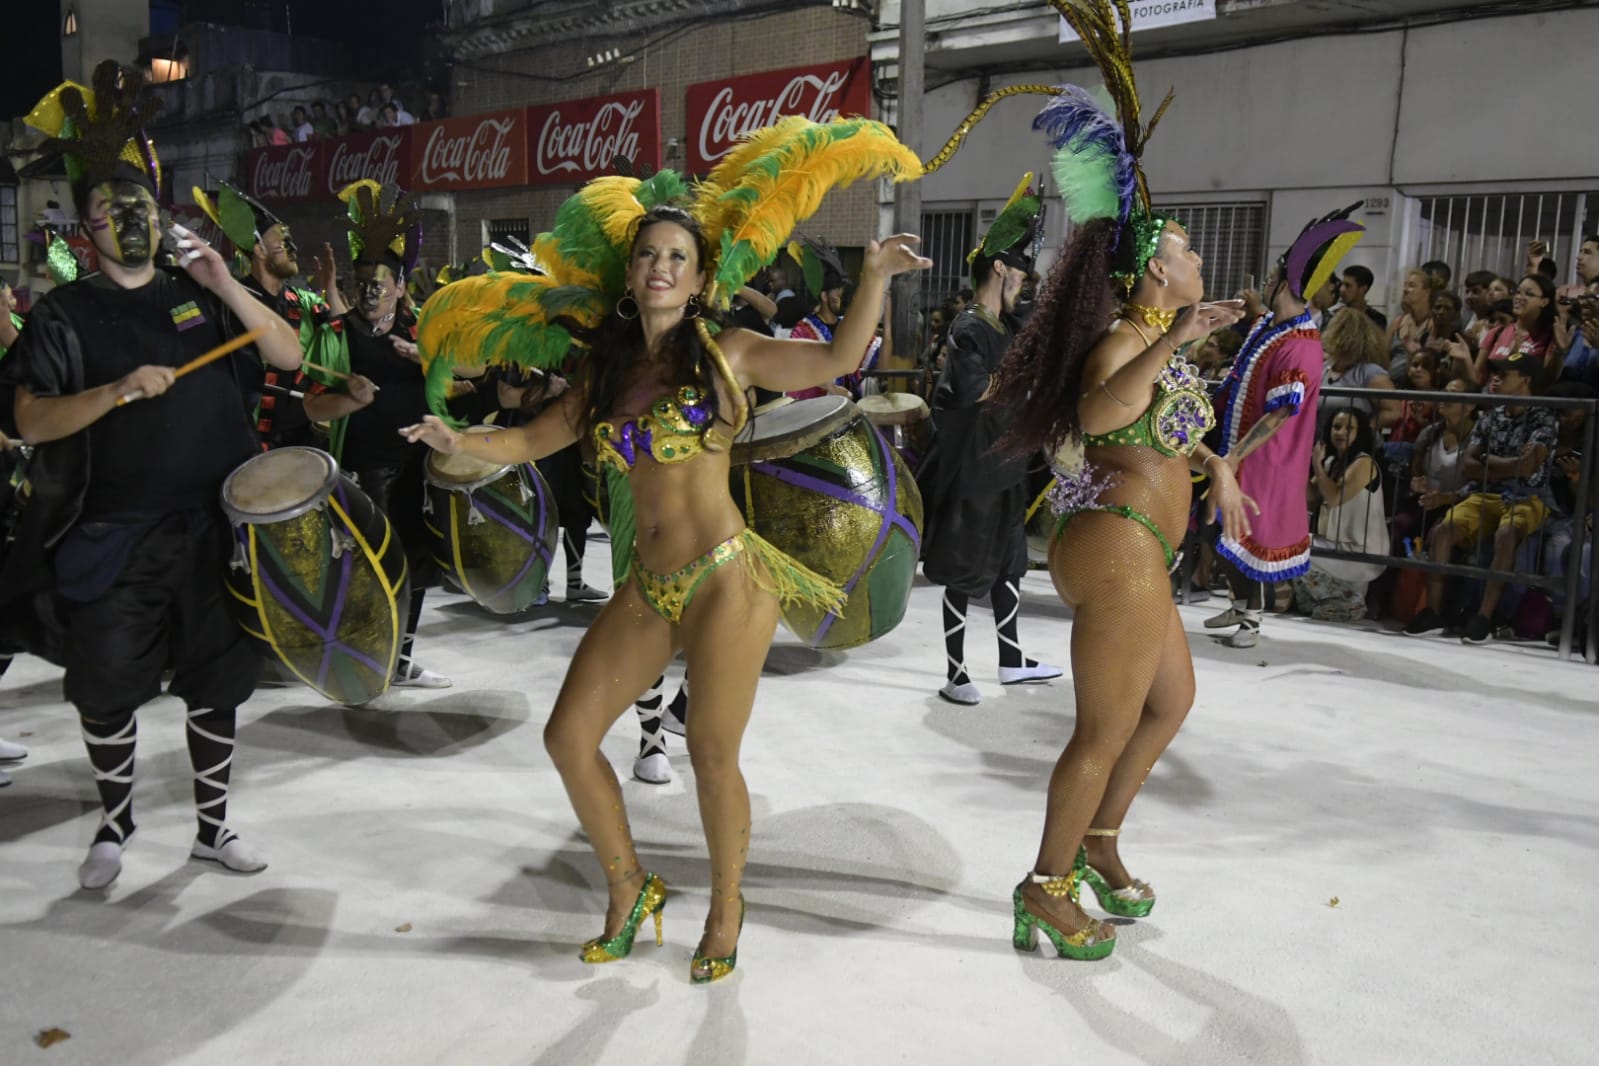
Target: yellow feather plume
(752,202)
(613,201)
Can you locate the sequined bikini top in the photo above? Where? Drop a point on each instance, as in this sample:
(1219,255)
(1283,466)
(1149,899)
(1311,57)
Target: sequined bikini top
(1175,421)
(675,430)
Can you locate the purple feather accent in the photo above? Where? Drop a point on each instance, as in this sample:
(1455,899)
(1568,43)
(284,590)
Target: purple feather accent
(1076,121)
(1309,244)
(1077,490)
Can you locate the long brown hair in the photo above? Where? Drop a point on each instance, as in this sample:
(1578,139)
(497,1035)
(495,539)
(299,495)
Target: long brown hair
(1040,376)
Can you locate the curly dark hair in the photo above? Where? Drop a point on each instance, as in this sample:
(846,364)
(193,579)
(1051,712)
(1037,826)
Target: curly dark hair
(1041,375)
(616,344)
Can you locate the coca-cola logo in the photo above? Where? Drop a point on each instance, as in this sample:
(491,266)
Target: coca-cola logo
(728,118)
(285,177)
(480,157)
(588,147)
(380,161)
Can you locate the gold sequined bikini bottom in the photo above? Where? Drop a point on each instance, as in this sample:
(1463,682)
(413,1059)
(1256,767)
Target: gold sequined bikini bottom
(772,569)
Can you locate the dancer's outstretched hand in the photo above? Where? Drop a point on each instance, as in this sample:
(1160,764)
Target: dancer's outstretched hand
(434,433)
(894,255)
(1228,501)
(1201,320)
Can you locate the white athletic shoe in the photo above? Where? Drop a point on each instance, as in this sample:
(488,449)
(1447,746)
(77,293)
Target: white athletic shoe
(1247,635)
(1019,675)
(1232,616)
(416,676)
(10,752)
(585,594)
(652,769)
(966,694)
(235,854)
(102,865)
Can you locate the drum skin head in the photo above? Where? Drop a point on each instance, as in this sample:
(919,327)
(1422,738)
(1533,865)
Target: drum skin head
(278,485)
(893,408)
(790,429)
(463,472)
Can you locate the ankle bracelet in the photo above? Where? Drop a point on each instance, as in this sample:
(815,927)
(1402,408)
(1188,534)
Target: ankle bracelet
(1104,832)
(1056,885)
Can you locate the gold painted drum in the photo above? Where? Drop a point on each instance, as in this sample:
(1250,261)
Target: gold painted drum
(494,528)
(818,481)
(318,576)
(904,419)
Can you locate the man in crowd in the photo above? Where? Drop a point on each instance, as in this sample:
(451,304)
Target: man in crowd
(1507,496)
(824,268)
(1577,318)
(1356,284)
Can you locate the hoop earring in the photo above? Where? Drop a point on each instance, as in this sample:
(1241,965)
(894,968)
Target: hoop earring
(624,315)
(693,310)
(1163,282)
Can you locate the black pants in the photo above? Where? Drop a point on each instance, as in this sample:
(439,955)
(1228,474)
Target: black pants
(165,608)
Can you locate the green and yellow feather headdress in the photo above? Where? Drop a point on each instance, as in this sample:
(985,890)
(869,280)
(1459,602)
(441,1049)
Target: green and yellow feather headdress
(747,208)
(98,133)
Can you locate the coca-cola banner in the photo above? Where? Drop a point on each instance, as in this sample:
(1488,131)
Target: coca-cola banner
(720,112)
(478,152)
(383,155)
(288,172)
(571,142)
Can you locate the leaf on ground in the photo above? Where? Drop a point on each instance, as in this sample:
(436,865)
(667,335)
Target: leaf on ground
(26,733)
(406,928)
(1333,902)
(52,1036)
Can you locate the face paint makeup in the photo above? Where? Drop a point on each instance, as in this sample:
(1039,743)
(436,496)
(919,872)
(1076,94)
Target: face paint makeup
(129,222)
(375,291)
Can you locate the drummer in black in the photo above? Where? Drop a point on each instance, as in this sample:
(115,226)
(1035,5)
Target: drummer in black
(976,499)
(128,466)
(385,393)
(265,240)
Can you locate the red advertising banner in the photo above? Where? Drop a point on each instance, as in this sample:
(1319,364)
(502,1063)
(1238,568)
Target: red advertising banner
(571,142)
(382,155)
(478,152)
(288,172)
(720,112)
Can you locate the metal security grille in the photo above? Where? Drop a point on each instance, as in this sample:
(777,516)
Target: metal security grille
(10,252)
(1491,231)
(946,238)
(1231,238)
(495,229)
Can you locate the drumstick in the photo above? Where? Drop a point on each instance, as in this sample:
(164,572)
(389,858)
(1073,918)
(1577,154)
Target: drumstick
(199,361)
(338,375)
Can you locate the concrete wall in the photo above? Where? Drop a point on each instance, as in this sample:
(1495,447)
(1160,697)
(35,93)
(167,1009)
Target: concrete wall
(715,50)
(107,29)
(1309,125)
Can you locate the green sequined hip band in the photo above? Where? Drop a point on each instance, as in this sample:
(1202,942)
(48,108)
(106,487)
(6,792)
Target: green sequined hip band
(1173,557)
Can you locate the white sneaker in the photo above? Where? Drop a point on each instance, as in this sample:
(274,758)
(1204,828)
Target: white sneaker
(1018,675)
(102,865)
(1247,636)
(585,594)
(10,752)
(652,769)
(234,854)
(416,676)
(966,694)
(1232,616)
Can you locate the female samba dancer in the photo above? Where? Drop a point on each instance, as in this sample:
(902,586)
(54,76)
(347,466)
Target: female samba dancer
(1138,411)
(663,404)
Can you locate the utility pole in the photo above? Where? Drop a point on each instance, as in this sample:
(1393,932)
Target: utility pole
(906,290)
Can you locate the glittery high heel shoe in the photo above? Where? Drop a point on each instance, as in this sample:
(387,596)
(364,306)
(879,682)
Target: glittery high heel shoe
(1093,941)
(1134,901)
(704,969)
(651,900)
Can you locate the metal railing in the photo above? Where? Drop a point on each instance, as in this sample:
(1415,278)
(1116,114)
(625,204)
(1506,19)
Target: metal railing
(1570,582)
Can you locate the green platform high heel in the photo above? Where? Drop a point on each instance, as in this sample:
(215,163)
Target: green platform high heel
(1093,941)
(651,900)
(1134,901)
(704,969)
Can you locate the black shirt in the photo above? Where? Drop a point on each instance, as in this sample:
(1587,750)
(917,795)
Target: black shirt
(373,439)
(151,457)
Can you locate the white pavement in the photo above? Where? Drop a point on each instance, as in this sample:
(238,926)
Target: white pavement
(1368,850)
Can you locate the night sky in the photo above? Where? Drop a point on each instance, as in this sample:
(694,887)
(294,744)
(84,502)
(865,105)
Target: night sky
(389,31)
